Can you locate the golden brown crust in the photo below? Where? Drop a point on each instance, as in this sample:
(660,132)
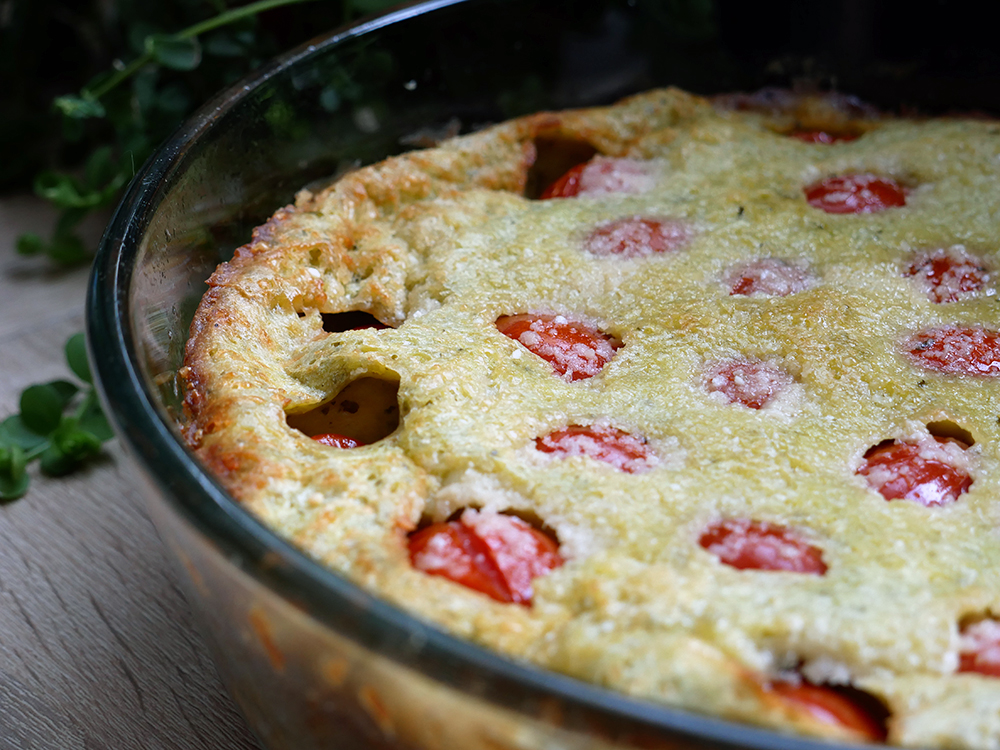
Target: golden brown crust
(439,243)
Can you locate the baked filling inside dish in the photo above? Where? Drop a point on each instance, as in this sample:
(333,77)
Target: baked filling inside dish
(694,399)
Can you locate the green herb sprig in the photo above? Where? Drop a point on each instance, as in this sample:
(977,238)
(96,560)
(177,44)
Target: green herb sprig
(60,424)
(122,124)
(106,131)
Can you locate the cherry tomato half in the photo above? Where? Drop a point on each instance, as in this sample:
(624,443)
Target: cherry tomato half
(601,175)
(767,276)
(575,350)
(337,441)
(855,194)
(637,237)
(756,545)
(948,274)
(954,350)
(750,383)
(980,649)
(567,186)
(608,444)
(495,554)
(923,473)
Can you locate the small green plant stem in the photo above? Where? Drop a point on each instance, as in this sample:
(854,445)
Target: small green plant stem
(223,19)
(30,455)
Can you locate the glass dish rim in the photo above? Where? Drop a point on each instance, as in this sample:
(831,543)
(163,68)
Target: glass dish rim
(153,445)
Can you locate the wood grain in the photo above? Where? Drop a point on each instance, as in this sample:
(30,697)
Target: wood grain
(97,645)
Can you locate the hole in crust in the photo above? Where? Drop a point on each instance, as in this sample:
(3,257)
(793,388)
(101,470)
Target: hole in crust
(533,520)
(365,410)
(827,136)
(527,515)
(352,320)
(945,428)
(553,158)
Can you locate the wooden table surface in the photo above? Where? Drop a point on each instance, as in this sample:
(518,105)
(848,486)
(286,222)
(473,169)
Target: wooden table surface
(98,649)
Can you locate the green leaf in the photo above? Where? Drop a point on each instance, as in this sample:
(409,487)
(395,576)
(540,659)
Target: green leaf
(70,447)
(173,100)
(14,479)
(174,52)
(14,431)
(69,219)
(97,82)
(75,442)
(224,44)
(55,463)
(67,193)
(79,107)
(93,421)
(42,405)
(73,129)
(138,35)
(11,488)
(61,189)
(68,250)
(65,389)
(76,357)
(144,88)
(30,243)
(100,168)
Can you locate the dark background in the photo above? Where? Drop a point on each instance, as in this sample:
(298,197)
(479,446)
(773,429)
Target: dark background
(941,57)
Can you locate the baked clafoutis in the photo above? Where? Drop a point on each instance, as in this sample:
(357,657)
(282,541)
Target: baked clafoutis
(693,399)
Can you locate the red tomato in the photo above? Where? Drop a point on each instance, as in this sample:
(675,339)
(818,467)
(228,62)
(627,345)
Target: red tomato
(567,186)
(980,648)
(757,545)
(948,274)
(495,554)
(337,441)
(771,276)
(834,707)
(955,350)
(748,382)
(855,194)
(637,237)
(601,175)
(608,444)
(822,136)
(924,473)
(575,350)
(452,550)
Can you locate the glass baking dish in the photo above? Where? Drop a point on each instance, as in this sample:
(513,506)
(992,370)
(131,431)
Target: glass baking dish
(314,661)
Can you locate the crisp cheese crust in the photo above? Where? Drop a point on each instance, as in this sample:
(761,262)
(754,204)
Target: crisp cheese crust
(695,247)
